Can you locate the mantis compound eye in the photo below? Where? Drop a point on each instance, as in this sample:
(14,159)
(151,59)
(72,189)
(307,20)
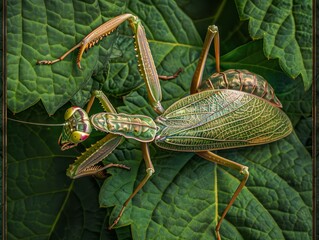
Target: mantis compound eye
(78,136)
(71,111)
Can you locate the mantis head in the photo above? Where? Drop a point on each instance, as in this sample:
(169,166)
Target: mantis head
(77,128)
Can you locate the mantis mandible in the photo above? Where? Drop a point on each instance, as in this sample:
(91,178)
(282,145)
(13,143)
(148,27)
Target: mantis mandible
(204,121)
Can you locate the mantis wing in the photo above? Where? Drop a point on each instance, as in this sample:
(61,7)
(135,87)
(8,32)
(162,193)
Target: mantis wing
(220,119)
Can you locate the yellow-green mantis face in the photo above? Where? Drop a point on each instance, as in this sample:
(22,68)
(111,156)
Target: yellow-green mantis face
(77,128)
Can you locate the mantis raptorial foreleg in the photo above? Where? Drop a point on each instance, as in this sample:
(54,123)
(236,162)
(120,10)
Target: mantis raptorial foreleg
(146,63)
(91,39)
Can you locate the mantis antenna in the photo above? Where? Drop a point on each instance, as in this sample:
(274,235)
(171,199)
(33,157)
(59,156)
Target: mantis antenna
(38,124)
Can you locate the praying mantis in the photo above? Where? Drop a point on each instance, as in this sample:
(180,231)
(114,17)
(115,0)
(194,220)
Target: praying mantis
(235,108)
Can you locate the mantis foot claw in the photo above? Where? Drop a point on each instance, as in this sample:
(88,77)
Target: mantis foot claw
(48,62)
(119,216)
(114,223)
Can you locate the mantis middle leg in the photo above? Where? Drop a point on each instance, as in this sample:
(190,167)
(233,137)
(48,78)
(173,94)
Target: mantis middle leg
(149,172)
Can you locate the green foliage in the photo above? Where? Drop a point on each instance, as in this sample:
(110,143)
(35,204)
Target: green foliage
(286,29)
(187,194)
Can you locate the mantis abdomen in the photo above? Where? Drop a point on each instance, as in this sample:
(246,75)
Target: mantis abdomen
(245,81)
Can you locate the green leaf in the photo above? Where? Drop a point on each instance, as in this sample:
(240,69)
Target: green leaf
(286,27)
(187,194)
(203,13)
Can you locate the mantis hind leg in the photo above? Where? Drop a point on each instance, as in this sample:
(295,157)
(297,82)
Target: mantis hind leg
(212,34)
(236,166)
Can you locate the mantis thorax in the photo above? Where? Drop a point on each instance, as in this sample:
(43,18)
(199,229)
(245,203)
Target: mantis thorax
(139,127)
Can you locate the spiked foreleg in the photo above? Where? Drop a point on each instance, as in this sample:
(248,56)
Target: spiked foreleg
(146,63)
(91,39)
(146,66)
